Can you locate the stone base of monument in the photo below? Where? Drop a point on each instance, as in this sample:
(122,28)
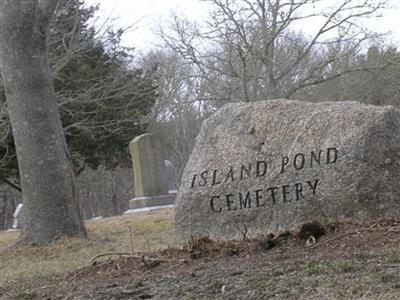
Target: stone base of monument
(149,201)
(150,208)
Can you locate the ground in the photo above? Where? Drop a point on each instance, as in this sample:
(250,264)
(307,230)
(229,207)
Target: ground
(134,257)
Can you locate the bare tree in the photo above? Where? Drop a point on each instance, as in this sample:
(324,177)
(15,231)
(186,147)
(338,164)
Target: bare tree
(253,49)
(180,107)
(47,180)
(372,85)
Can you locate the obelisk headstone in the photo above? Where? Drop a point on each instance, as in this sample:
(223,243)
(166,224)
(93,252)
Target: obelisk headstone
(151,182)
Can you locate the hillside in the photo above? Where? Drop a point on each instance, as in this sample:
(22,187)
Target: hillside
(132,257)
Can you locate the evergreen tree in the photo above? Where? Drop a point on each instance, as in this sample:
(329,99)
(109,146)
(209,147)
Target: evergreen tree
(101,93)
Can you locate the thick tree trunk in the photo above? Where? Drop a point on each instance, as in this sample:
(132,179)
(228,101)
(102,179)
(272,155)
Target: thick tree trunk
(47,180)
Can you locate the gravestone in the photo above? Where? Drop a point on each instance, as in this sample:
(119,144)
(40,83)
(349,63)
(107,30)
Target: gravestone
(150,178)
(17,215)
(272,166)
(171,176)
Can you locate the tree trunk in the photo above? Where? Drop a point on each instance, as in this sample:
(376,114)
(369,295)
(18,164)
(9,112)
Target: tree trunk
(47,180)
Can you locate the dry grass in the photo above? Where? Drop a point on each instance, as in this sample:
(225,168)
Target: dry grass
(20,265)
(352,261)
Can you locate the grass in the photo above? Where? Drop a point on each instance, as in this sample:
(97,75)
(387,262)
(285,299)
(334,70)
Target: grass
(314,267)
(257,280)
(344,266)
(318,267)
(369,274)
(393,259)
(129,233)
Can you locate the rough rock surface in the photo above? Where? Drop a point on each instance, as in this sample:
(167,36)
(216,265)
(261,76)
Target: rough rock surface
(271,166)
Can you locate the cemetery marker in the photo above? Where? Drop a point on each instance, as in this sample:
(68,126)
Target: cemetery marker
(272,166)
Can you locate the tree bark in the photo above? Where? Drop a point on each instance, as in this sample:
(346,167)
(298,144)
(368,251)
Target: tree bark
(47,179)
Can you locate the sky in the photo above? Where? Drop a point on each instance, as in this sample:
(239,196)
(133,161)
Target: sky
(145,15)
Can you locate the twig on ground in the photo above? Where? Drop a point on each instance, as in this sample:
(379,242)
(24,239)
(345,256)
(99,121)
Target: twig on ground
(142,258)
(81,271)
(373,227)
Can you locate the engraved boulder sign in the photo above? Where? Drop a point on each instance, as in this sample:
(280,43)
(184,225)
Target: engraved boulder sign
(272,166)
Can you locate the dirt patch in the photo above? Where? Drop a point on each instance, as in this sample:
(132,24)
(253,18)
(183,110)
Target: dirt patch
(349,261)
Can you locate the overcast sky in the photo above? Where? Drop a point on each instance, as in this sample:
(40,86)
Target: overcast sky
(145,14)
